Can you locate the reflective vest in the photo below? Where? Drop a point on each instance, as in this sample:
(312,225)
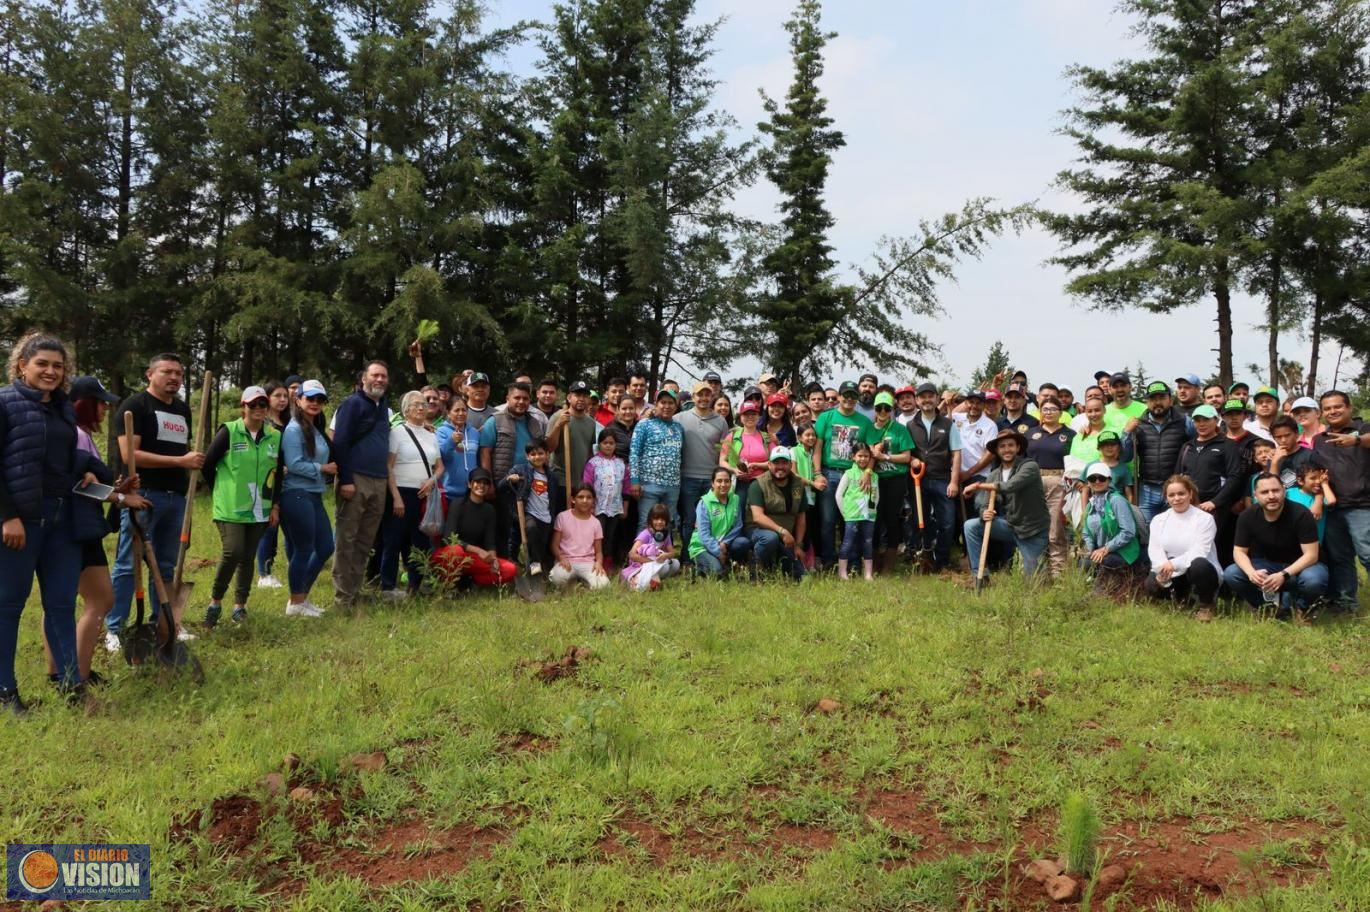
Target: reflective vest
(244,480)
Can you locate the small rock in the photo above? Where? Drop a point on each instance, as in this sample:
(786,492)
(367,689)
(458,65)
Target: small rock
(1041,870)
(369,763)
(292,761)
(828,705)
(273,783)
(1062,888)
(302,793)
(1112,876)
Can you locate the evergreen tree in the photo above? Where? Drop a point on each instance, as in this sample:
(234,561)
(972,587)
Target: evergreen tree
(995,369)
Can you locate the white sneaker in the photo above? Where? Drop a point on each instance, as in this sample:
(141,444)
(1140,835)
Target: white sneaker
(268,582)
(535,569)
(112,643)
(319,608)
(394,595)
(184,635)
(302,609)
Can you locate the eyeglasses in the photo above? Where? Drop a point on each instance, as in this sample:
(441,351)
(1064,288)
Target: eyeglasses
(832,398)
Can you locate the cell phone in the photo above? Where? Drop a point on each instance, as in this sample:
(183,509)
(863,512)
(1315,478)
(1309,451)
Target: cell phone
(94,490)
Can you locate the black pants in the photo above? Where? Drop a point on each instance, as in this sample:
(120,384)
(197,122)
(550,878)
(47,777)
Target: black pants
(889,513)
(1226,522)
(609,525)
(239,548)
(1201,580)
(539,542)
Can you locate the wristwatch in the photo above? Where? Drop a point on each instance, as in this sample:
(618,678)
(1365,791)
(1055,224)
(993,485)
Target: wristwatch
(119,499)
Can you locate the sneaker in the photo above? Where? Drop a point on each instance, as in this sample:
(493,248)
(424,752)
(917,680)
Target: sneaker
(535,569)
(95,679)
(310,602)
(185,636)
(239,615)
(302,609)
(394,595)
(654,585)
(212,615)
(10,702)
(112,643)
(268,582)
(1204,615)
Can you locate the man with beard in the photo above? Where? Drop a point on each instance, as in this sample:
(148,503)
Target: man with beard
(478,407)
(608,406)
(1019,516)
(502,444)
(866,388)
(1188,393)
(584,434)
(1123,412)
(938,443)
(1275,554)
(1160,435)
(361,450)
(775,517)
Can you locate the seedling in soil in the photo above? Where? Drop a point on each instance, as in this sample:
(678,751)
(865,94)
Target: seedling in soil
(1079,833)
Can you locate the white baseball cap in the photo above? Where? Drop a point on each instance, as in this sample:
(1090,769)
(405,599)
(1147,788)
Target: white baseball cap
(311,388)
(781,452)
(252,394)
(1303,402)
(1098,468)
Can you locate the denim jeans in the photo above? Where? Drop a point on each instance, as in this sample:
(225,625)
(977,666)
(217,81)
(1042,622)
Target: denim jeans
(858,536)
(266,549)
(50,552)
(653,494)
(404,540)
(1151,500)
(828,514)
(768,552)
(691,490)
(1299,592)
(162,525)
(939,521)
(1030,549)
(305,522)
(1347,538)
(739,552)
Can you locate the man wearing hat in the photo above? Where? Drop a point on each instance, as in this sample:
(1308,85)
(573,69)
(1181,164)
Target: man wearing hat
(654,459)
(1123,412)
(1015,414)
(292,383)
(839,430)
(1239,390)
(994,405)
(1188,389)
(584,433)
(906,400)
(478,407)
(1234,428)
(715,381)
(1214,464)
(1020,515)
(977,430)
(866,387)
(1266,405)
(769,383)
(775,517)
(937,440)
(893,451)
(702,429)
(1159,436)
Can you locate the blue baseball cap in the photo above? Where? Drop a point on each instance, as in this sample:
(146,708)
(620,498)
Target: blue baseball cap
(1191,379)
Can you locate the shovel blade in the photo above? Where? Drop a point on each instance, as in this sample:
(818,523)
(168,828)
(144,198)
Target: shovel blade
(180,599)
(181,660)
(529,588)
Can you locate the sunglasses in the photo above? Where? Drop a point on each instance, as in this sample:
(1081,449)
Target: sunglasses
(258,404)
(884,408)
(316,398)
(832,398)
(1097,478)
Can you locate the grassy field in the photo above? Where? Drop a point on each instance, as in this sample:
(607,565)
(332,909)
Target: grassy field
(896,745)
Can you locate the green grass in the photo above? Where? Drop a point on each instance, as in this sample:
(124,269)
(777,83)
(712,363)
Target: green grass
(685,767)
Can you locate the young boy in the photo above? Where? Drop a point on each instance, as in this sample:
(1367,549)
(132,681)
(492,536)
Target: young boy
(1111,455)
(1262,455)
(578,543)
(1290,455)
(1315,493)
(537,488)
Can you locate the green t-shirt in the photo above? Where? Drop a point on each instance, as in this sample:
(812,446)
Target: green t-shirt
(897,440)
(1118,418)
(839,434)
(857,505)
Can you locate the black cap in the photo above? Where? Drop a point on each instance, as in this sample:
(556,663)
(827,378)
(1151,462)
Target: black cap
(973,393)
(294,380)
(479,474)
(925,387)
(846,388)
(712,377)
(871,377)
(1120,377)
(580,386)
(752,392)
(90,388)
(1102,375)
(478,377)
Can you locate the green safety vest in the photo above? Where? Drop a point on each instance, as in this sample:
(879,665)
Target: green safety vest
(243,482)
(721,519)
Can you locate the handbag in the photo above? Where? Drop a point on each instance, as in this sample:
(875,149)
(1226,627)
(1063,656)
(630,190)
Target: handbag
(431,524)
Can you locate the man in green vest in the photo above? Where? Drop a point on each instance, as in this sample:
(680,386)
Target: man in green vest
(775,517)
(241,469)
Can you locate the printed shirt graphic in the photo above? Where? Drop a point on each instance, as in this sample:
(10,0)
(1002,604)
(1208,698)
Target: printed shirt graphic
(539,507)
(162,428)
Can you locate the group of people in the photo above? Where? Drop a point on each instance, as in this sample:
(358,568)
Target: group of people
(1185,490)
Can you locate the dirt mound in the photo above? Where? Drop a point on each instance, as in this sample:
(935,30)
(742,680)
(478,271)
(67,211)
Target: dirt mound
(564,666)
(410,851)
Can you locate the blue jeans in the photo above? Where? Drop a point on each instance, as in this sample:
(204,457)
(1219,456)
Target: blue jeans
(739,551)
(1030,549)
(266,549)
(653,494)
(1151,500)
(305,522)
(403,539)
(828,515)
(859,535)
(768,552)
(1299,592)
(691,490)
(50,552)
(162,525)
(939,521)
(1347,538)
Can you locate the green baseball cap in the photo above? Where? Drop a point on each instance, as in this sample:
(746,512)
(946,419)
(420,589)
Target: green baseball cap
(1234,405)
(667,392)
(1157,388)
(884,399)
(1109,437)
(1204,411)
(1266,391)
(1238,385)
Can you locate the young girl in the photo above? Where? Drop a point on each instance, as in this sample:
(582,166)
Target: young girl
(607,475)
(653,556)
(578,542)
(1315,493)
(1111,455)
(858,512)
(806,440)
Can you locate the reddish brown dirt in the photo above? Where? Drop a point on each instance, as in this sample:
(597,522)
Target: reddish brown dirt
(564,666)
(526,743)
(413,850)
(630,835)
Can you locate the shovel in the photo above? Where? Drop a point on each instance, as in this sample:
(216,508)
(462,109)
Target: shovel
(180,588)
(923,556)
(139,641)
(170,652)
(984,548)
(530,587)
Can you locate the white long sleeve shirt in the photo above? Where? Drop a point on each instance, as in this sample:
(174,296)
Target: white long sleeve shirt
(1183,538)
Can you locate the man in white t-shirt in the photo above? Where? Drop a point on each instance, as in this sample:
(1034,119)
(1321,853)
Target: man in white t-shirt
(977,430)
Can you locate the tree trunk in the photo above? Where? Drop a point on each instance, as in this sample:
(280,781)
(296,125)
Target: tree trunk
(1273,314)
(1223,293)
(1312,384)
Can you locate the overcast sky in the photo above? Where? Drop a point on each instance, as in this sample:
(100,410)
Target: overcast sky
(942,102)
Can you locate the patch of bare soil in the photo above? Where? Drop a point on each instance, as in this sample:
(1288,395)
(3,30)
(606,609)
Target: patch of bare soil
(411,850)
(564,666)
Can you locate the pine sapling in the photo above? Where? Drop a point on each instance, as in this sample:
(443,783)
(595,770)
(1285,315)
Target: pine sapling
(1079,833)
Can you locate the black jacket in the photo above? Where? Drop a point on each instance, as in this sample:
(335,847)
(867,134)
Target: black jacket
(1215,466)
(1158,447)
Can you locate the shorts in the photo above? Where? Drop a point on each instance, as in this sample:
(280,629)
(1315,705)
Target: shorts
(93,554)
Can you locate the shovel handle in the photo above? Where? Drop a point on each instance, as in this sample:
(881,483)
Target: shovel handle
(984,543)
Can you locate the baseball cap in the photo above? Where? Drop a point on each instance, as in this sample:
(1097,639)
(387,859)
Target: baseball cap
(1158,388)
(871,377)
(580,386)
(884,399)
(1120,377)
(479,474)
(846,388)
(1109,437)
(906,389)
(1238,385)
(767,377)
(993,395)
(926,388)
(752,391)
(777,399)
(252,394)
(749,406)
(1266,391)
(90,388)
(477,377)
(1302,402)
(975,394)
(312,388)
(1234,405)
(1097,469)
(712,377)
(700,387)
(780,452)
(665,393)
(1191,379)
(1102,375)
(293,379)
(1016,388)
(1204,411)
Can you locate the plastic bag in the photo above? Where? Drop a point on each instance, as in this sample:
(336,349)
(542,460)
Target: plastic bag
(431,525)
